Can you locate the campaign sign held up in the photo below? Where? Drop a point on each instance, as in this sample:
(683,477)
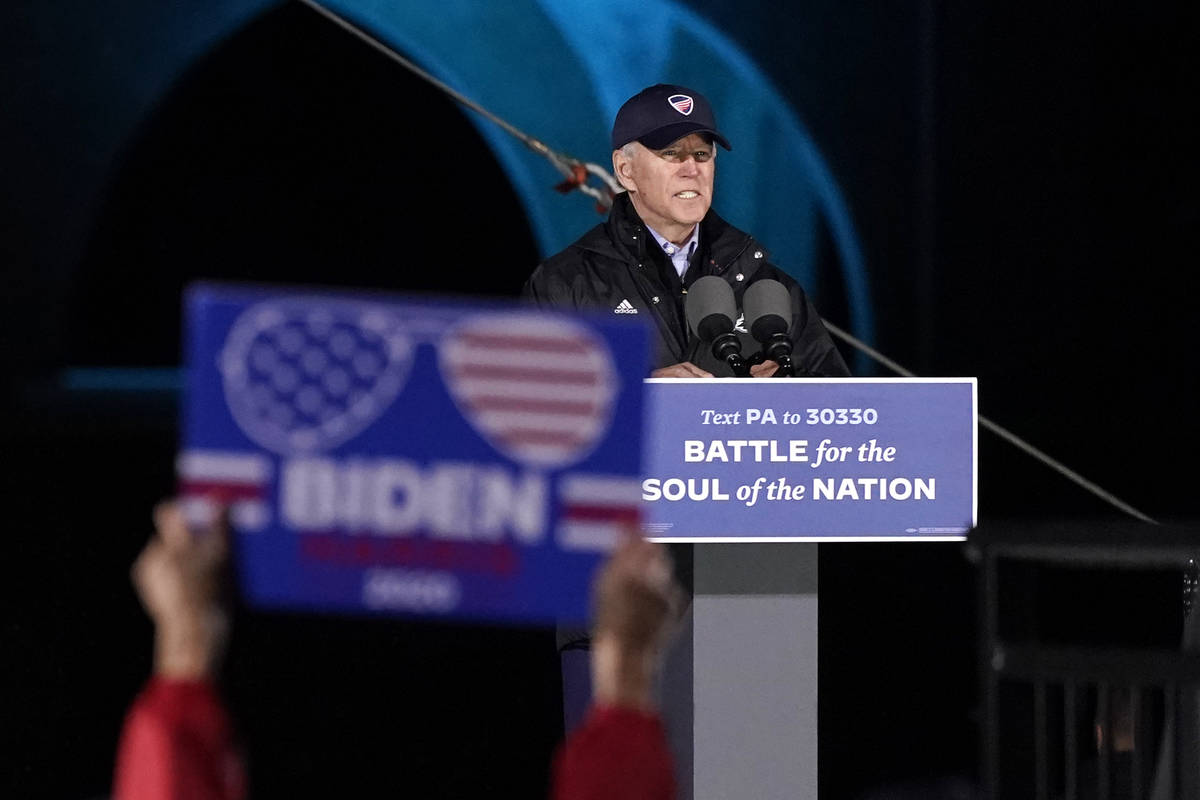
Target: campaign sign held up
(806,459)
(385,456)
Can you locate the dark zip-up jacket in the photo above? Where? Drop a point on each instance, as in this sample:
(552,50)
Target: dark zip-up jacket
(618,267)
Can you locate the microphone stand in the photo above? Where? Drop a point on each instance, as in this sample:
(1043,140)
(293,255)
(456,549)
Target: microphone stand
(727,348)
(778,348)
(786,368)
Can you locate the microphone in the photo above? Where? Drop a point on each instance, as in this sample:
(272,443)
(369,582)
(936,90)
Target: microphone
(768,307)
(711,310)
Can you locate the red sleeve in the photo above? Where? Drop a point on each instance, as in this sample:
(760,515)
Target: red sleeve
(177,744)
(616,754)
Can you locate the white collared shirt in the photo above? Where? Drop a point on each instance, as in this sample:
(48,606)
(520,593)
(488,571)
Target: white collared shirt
(680,254)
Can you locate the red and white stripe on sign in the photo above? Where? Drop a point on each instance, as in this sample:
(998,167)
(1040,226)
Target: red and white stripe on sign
(595,509)
(539,389)
(208,478)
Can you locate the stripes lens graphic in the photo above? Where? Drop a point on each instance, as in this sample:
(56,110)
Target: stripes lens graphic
(539,389)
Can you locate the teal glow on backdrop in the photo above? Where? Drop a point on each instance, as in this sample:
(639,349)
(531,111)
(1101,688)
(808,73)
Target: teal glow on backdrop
(558,69)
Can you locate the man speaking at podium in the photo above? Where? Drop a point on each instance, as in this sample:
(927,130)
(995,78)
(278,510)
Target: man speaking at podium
(662,236)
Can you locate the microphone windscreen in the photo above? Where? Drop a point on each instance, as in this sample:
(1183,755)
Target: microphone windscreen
(768,308)
(708,296)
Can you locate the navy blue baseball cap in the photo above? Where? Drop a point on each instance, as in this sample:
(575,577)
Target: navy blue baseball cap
(662,114)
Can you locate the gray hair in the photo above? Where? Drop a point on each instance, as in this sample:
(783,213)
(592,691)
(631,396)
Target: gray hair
(629,149)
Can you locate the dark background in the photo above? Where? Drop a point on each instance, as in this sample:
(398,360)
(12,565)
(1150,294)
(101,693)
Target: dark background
(1024,183)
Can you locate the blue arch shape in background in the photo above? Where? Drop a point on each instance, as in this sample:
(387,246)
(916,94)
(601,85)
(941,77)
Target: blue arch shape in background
(557,68)
(561,68)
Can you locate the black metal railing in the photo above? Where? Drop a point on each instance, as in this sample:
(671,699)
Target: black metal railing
(1089,665)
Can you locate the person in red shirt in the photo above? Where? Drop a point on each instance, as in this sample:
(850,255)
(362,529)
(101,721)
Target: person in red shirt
(620,750)
(178,743)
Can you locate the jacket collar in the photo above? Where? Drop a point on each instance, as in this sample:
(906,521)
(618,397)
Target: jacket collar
(628,234)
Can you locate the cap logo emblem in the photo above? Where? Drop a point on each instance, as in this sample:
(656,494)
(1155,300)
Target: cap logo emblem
(681,103)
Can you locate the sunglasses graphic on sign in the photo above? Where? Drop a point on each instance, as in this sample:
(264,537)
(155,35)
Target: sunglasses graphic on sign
(307,376)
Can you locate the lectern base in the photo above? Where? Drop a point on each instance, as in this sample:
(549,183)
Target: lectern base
(739,687)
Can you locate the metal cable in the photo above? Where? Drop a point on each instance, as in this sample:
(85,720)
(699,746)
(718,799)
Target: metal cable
(575,172)
(1003,433)
(572,169)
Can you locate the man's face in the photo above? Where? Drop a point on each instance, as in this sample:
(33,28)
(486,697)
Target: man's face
(672,188)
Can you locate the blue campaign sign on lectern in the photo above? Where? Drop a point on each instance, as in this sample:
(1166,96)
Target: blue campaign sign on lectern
(384,455)
(806,459)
